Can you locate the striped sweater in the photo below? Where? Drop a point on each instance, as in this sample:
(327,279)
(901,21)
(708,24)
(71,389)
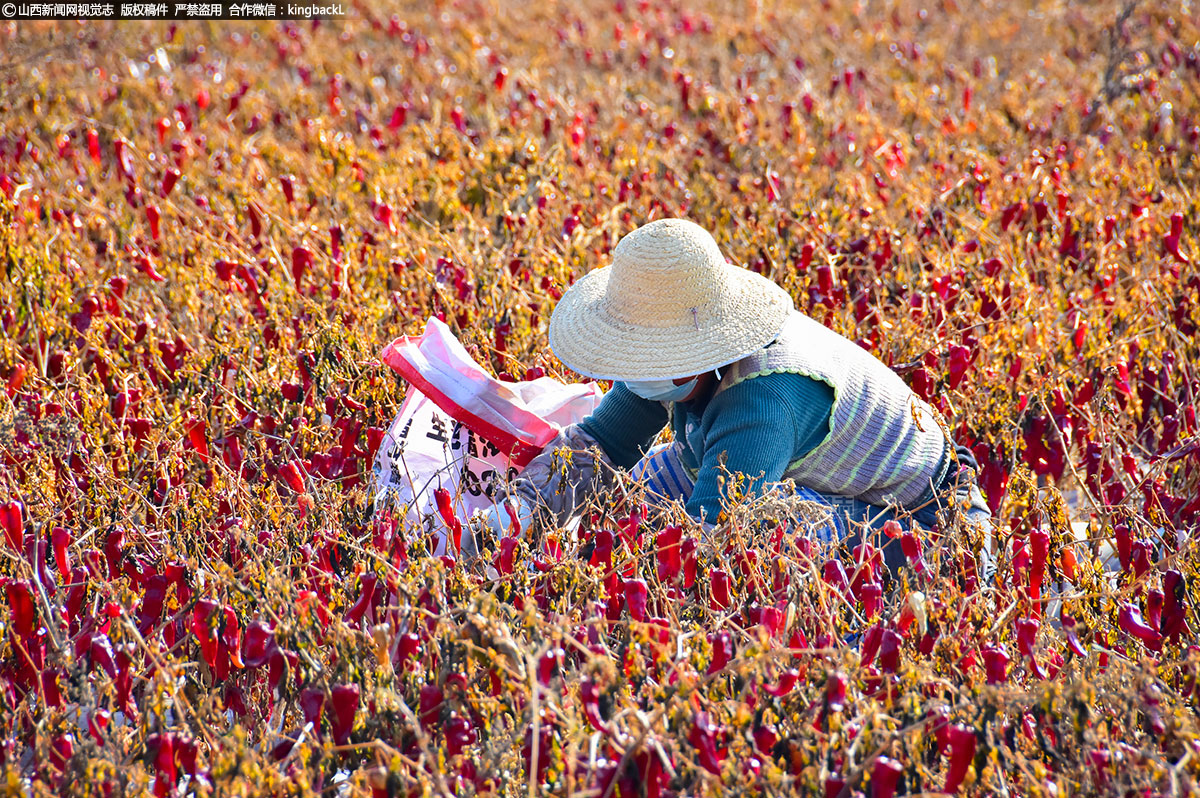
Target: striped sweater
(884,443)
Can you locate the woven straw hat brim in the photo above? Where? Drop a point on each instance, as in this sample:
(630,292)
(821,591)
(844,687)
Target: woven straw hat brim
(589,338)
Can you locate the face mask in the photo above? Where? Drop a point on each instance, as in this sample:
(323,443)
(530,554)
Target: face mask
(662,390)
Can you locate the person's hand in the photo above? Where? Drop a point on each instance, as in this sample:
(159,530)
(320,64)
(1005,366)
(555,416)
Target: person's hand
(556,483)
(511,516)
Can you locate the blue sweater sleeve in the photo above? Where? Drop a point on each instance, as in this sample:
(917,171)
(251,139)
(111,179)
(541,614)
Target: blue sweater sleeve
(760,426)
(625,424)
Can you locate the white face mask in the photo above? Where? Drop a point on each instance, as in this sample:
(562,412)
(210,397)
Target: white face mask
(662,390)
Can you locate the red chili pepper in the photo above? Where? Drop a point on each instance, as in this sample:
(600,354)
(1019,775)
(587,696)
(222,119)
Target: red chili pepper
(230,649)
(1039,543)
(459,734)
(505,558)
(720,590)
(872,599)
(93,145)
(446,511)
(834,575)
(1155,599)
(197,436)
(631,527)
(835,691)
(399,116)
(1124,539)
(722,648)
(889,651)
(169,179)
(302,260)
(765,738)
(95,565)
(602,550)
(153,597)
(1174,620)
(787,682)
(668,553)
(20,602)
(871,640)
(114,551)
(1073,643)
(1027,629)
(590,695)
(1131,622)
(834,786)
(154,217)
(1100,761)
(1110,224)
(258,643)
(76,593)
(384,215)
(60,539)
(688,555)
(1020,562)
(549,664)
(959,362)
(703,738)
(203,618)
(1040,212)
(335,241)
(12,519)
(550,547)
(166,773)
(1170,244)
(636,593)
(914,551)
(431,699)
(771,619)
(367,595)
(145,265)
(1010,213)
(100,651)
(343,705)
(293,476)
(407,649)
(256,219)
(124,162)
(995,663)
(278,666)
(961,742)
(125,681)
(97,724)
(884,775)
(868,566)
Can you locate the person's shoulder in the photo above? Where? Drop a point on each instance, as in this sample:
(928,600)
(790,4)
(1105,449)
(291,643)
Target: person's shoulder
(776,386)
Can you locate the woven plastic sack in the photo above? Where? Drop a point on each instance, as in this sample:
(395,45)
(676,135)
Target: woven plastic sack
(463,430)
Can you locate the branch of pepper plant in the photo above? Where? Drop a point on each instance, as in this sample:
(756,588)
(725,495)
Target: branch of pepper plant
(383,747)
(857,774)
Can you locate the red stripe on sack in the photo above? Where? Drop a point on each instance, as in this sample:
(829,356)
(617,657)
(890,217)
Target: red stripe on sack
(516,450)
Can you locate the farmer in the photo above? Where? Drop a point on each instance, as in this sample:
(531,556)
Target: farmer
(748,386)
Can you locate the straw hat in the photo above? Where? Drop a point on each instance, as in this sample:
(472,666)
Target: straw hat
(668,306)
